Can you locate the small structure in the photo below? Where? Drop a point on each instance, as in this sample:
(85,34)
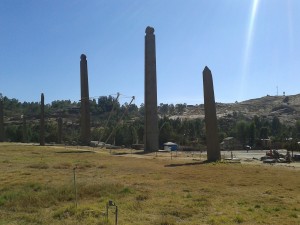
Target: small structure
(265,143)
(230,143)
(170,146)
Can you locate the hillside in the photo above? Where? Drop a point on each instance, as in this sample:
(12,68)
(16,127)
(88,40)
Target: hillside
(286,108)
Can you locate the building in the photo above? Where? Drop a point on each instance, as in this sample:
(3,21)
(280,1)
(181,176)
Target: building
(230,143)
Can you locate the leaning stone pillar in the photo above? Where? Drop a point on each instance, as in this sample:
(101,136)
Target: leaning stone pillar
(212,139)
(42,121)
(24,130)
(59,130)
(85,131)
(1,119)
(151,117)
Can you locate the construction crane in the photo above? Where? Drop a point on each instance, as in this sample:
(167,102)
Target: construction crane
(120,120)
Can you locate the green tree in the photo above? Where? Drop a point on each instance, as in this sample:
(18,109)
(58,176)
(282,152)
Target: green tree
(171,109)
(142,110)
(180,108)
(126,135)
(242,129)
(164,109)
(257,122)
(297,129)
(264,133)
(14,133)
(276,127)
(252,134)
(165,133)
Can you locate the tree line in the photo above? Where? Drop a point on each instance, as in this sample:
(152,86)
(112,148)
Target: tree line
(123,124)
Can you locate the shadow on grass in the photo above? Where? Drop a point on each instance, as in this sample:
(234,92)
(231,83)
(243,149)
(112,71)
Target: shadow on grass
(127,153)
(70,152)
(120,153)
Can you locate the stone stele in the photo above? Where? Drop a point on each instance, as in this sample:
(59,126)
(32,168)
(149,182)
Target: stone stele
(85,131)
(1,119)
(151,117)
(42,121)
(212,139)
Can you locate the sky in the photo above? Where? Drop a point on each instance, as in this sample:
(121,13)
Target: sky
(252,48)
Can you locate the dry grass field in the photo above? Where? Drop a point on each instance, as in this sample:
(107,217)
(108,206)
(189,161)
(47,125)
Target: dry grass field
(37,187)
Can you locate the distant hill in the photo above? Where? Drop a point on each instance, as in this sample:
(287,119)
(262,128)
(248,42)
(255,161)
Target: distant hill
(286,108)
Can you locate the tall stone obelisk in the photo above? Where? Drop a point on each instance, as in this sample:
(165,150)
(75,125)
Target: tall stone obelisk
(42,121)
(212,139)
(85,131)
(1,119)
(151,117)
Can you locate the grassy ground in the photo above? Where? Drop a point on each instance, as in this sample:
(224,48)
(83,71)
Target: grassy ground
(37,187)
